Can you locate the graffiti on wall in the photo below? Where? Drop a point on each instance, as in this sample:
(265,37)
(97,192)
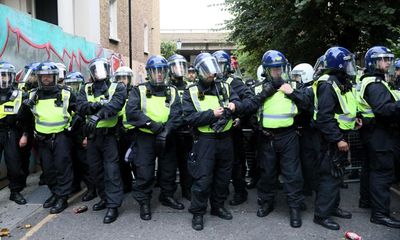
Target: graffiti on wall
(24,40)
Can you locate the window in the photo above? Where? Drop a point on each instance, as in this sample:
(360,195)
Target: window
(146,39)
(113,20)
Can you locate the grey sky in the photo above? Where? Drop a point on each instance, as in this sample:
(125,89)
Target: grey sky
(191,14)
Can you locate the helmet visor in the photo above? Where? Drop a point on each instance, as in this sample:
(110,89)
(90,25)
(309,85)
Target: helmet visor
(158,76)
(74,84)
(178,68)
(125,79)
(47,81)
(6,79)
(208,68)
(98,71)
(350,66)
(280,72)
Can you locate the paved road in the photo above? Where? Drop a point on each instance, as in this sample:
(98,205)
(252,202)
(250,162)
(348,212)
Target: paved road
(173,224)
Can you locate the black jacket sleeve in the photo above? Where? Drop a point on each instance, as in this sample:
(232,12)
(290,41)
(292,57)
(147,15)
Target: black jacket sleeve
(300,98)
(248,104)
(175,114)
(327,106)
(72,107)
(191,116)
(381,102)
(116,103)
(134,114)
(83,105)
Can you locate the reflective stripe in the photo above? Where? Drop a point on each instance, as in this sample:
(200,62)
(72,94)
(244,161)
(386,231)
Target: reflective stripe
(194,91)
(282,116)
(229,80)
(346,118)
(143,98)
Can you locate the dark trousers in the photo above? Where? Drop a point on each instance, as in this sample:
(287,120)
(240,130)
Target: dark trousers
(239,163)
(81,167)
(56,161)
(309,153)
(125,140)
(282,149)
(102,153)
(380,144)
(145,167)
(328,191)
(9,140)
(210,164)
(184,141)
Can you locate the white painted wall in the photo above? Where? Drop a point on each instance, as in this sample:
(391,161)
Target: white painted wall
(87,19)
(66,15)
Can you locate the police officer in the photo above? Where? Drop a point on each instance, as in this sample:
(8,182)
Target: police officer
(183,135)
(80,165)
(191,74)
(11,118)
(335,108)
(308,137)
(155,109)
(380,107)
(101,101)
(52,106)
(279,141)
(246,97)
(208,106)
(126,133)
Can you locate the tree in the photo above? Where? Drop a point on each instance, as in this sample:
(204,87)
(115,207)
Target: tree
(168,48)
(304,29)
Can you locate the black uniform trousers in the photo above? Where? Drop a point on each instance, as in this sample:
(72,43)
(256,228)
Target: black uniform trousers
(184,141)
(210,164)
(239,162)
(54,152)
(9,139)
(380,144)
(81,166)
(145,167)
(126,138)
(102,153)
(309,153)
(281,148)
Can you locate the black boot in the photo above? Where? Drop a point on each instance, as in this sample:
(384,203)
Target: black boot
(338,212)
(90,194)
(145,212)
(50,201)
(100,205)
(221,212)
(382,219)
(17,198)
(171,202)
(327,223)
(111,215)
(238,198)
(265,209)
(197,222)
(295,218)
(61,205)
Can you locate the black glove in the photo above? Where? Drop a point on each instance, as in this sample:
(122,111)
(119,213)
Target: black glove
(92,123)
(277,83)
(29,102)
(219,125)
(268,91)
(161,141)
(155,127)
(339,161)
(95,107)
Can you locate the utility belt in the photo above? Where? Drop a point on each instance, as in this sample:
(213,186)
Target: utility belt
(270,132)
(41,137)
(220,135)
(104,131)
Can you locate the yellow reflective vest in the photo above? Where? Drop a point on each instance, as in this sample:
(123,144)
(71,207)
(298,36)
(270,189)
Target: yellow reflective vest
(49,117)
(105,123)
(209,102)
(12,106)
(155,107)
(347,102)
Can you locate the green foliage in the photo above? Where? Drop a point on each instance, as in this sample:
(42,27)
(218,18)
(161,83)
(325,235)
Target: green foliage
(168,49)
(395,44)
(304,29)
